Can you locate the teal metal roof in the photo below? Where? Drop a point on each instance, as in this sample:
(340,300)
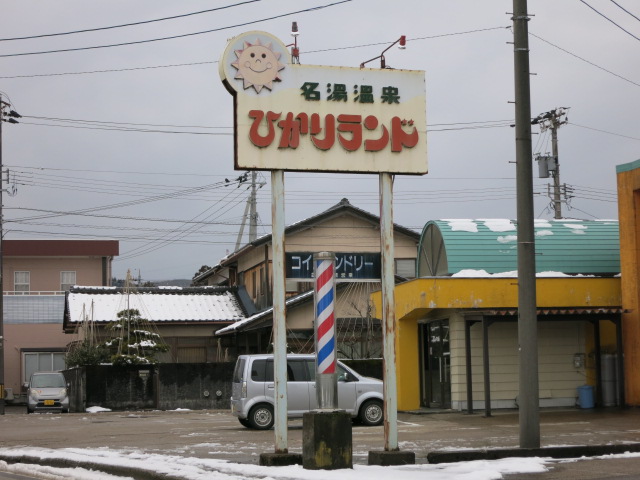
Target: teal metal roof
(627,167)
(590,247)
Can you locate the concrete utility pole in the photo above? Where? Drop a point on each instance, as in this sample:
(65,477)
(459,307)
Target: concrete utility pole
(250,212)
(2,105)
(253,213)
(552,120)
(528,401)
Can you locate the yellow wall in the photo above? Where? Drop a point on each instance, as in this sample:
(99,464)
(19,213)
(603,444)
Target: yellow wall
(415,299)
(629,216)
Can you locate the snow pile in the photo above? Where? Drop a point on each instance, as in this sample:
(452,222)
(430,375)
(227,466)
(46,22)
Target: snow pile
(97,409)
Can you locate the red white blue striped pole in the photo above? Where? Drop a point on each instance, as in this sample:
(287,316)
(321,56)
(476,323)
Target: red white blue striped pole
(325,330)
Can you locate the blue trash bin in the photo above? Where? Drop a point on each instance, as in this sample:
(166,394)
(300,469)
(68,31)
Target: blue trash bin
(585,396)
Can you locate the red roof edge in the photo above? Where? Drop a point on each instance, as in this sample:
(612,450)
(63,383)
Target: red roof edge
(55,248)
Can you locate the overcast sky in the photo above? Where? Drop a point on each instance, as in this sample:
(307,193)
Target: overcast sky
(162,195)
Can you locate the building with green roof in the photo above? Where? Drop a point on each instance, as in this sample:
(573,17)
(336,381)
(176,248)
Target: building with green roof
(489,246)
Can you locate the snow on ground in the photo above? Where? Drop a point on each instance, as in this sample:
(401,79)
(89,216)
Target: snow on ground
(190,468)
(97,410)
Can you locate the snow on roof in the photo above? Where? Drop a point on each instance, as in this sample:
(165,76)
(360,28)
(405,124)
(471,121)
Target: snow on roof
(263,313)
(462,225)
(570,246)
(157,306)
(468,273)
(499,224)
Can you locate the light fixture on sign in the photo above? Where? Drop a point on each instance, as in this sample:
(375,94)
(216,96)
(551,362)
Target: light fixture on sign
(402,41)
(295,51)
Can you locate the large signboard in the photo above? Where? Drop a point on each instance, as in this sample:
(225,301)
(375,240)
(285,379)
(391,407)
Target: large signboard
(316,118)
(349,266)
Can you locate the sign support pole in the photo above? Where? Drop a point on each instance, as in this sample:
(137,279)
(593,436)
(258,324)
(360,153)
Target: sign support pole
(391,455)
(388,313)
(279,311)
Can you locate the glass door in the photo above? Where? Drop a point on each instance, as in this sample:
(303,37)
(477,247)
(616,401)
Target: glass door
(436,363)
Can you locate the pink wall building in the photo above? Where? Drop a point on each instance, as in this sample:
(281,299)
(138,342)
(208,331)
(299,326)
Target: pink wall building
(36,273)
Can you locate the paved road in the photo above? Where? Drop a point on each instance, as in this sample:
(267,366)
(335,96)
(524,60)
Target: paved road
(217,434)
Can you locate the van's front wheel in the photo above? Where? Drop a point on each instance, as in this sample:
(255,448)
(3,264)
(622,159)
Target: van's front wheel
(261,417)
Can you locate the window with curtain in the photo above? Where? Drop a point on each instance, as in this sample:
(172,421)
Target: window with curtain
(21,281)
(67,280)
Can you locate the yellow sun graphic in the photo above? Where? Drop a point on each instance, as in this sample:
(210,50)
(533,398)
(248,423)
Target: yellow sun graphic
(258,65)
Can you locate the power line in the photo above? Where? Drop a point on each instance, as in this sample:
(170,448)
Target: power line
(109,70)
(128,24)
(609,20)
(430,37)
(75,120)
(584,60)
(603,131)
(126,129)
(214,62)
(173,37)
(624,9)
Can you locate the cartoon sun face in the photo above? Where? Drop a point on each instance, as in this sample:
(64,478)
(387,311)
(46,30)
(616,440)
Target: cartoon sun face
(258,65)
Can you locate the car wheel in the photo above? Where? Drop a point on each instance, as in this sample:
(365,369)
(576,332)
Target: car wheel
(261,417)
(244,422)
(371,413)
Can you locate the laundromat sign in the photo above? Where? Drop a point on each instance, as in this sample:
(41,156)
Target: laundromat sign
(315,118)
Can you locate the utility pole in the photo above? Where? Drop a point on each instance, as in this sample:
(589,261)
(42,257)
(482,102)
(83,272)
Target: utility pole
(253,210)
(528,396)
(6,115)
(552,120)
(250,212)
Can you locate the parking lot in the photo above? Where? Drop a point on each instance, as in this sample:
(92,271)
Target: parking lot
(217,434)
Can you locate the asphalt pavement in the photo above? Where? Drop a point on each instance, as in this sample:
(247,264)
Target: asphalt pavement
(217,434)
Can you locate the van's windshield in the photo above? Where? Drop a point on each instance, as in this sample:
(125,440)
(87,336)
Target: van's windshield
(53,380)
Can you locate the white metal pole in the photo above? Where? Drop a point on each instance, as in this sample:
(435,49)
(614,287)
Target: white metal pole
(279,311)
(388,313)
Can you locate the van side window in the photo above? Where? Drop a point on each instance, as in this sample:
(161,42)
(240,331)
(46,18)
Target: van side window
(343,375)
(297,371)
(311,370)
(238,371)
(268,376)
(258,368)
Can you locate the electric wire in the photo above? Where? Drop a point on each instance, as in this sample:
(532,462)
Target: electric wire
(584,59)
(143,22)
(173,37)
(624,9)
(603,131)
(210,62)
(609,20)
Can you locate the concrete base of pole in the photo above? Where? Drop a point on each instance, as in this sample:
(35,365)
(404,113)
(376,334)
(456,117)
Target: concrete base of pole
(388,458)
(327,442)
(280,459)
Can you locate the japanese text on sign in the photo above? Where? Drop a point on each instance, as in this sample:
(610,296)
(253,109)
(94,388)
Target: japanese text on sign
(349,266)
(352,131)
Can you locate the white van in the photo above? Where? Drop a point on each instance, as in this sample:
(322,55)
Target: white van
(253,389)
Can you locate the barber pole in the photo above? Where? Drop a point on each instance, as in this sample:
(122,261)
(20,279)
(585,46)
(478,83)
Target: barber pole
(326,377)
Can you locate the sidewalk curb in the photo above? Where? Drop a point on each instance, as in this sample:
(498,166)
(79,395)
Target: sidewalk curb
(574,451)
(121,471)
